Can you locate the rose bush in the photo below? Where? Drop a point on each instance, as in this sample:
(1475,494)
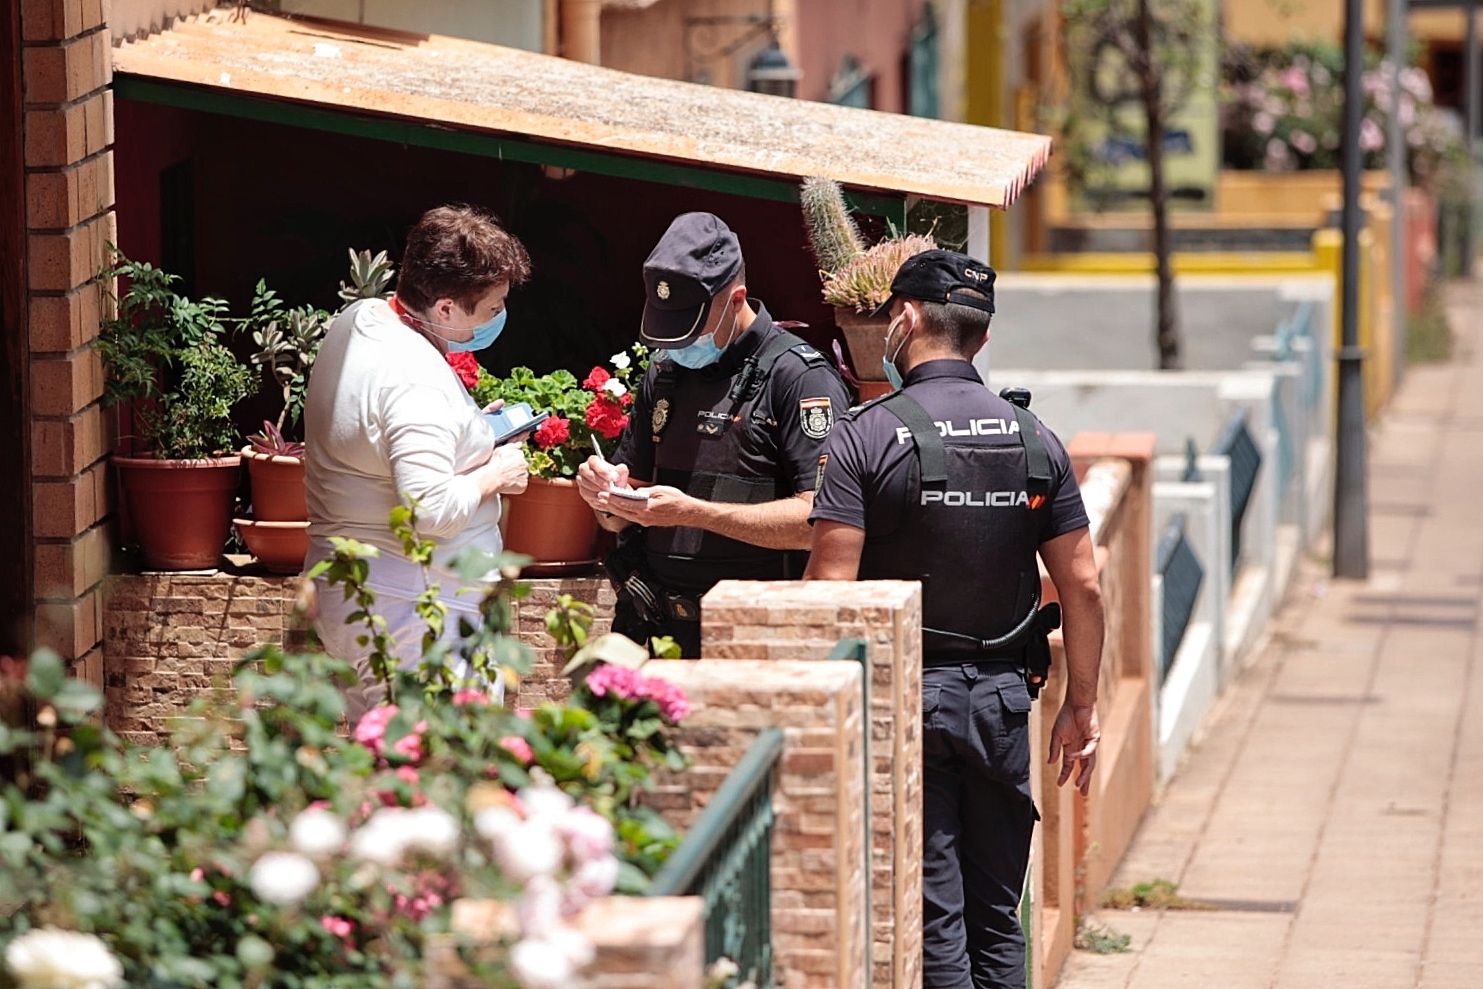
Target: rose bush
(1282,110)
(267,847)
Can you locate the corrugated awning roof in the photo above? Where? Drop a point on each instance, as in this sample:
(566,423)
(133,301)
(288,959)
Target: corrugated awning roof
(487,89)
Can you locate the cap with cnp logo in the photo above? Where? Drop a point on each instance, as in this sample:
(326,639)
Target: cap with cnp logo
(697,257)
(940,276)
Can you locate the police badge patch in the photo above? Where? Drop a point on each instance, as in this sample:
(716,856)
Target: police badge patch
(816,416)
(660,418)
(819,474)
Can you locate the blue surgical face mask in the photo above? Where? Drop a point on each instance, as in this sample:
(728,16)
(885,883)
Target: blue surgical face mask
(703,352)
(484,334)
(888,360)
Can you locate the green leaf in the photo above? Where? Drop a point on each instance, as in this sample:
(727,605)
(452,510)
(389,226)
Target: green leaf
(76,700)
(45,675)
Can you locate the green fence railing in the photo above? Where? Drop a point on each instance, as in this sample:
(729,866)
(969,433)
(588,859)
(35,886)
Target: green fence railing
(726,860)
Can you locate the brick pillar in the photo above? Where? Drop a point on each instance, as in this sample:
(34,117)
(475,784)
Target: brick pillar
(69,220)
(792,620)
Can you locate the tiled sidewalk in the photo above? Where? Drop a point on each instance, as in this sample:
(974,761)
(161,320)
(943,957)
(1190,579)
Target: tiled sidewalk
(1333,806)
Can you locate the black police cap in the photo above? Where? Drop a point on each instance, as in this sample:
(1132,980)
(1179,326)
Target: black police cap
(940,276)
(696,259)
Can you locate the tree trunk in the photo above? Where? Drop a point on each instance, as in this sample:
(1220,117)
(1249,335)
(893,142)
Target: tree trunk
(1166,332)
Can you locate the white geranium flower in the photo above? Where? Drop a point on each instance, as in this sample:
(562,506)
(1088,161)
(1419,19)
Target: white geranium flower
(533,849)
(620,360)
(538,963)
(433,830)
(51,958)
(615,388)
(317,832)
(282,877)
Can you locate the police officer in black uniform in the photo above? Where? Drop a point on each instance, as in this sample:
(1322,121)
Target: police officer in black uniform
(724,438)
(947,483)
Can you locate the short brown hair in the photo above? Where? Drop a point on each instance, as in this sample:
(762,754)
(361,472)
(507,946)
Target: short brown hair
(458,252)
(960,327)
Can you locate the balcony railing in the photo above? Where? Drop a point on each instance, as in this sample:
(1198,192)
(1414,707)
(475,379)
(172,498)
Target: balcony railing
(726,859)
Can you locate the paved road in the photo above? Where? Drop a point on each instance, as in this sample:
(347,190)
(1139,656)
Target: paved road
(1333,805)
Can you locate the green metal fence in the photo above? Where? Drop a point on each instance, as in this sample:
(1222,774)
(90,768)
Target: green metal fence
(726,859)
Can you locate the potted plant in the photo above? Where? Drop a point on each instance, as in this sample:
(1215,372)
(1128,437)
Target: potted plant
(549,521)
(287,341)
(167,354)
(857,279)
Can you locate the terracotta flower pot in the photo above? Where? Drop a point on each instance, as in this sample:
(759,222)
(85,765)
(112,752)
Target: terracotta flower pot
(866,337)
(279,546)
(277,487)
(181,509)
(550,523)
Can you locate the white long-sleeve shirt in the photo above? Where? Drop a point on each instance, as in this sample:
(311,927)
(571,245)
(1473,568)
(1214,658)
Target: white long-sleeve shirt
(386,419)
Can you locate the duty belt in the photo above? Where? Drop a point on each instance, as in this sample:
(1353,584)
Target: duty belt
(1027,644)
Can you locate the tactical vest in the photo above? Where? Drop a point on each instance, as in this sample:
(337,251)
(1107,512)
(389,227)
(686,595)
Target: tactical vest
(712,441)
(970,534)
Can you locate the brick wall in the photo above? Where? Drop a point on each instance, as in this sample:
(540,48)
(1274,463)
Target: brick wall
(785,620)
(1080,840)
(638,943)
(68,136)
(169,638)
(819,895)
(545,682)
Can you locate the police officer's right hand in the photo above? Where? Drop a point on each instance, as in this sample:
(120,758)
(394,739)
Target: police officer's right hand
(595,476)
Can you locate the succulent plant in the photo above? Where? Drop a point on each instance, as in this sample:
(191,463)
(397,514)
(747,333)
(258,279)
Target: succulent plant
(287,342)
(270,442)
(832,234)
(370,276)
(864,282)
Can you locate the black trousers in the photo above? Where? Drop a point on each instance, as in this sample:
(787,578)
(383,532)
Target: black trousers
(626,621)
(978,817)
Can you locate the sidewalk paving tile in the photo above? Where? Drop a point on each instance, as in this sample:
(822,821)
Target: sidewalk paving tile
(1339,782)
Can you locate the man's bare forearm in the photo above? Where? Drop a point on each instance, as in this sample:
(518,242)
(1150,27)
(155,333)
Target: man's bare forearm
(1084,627)
(781,524)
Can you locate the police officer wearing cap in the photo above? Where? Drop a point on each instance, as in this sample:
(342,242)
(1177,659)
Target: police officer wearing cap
(947,483)
(722,445)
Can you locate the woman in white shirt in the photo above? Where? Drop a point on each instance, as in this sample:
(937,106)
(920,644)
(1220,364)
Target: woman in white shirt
(386,421)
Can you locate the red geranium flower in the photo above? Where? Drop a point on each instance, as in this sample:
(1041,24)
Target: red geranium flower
(466,366)
(596,379)
(606,416)
(553,432)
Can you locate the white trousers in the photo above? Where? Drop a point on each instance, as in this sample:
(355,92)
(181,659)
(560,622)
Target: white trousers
(396,584)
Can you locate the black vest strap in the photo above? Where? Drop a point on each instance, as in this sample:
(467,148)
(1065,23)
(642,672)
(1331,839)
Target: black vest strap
(1037,458)
(931,451)
(755,369)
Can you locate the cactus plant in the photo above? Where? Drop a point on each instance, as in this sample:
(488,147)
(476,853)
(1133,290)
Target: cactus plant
(864,282)
(370,276)
(832,234)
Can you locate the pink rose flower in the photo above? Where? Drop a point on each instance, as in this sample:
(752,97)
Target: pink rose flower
(519,748)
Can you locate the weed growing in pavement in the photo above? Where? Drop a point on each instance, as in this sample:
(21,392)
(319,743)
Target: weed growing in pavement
(1160,894)
(1429,336)
(1100,939)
